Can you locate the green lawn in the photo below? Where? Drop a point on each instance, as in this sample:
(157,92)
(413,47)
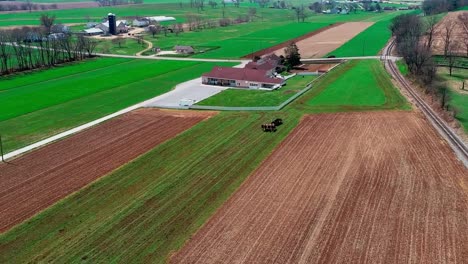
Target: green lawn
(243,97)
(130,47)
(145,210)
(38,105)
(359,85)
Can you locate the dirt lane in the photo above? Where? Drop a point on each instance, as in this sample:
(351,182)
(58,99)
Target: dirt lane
(38,179)
(379,187)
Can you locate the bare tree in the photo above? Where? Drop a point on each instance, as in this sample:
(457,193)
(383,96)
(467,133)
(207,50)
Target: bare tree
(463,21)
(431,30)
(452,56)
(47,21)
(155,29)
(447,35)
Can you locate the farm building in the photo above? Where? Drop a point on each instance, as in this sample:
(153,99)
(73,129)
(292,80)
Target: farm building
(184,49)
(160,18)
(270,63)
(121,27)
(93,31)
(140,22)
(242,78)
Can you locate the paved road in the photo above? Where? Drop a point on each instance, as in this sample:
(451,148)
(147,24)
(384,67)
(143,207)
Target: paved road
(167,58)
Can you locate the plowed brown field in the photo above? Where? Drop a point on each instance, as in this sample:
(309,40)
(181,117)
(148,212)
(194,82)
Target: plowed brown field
(378,187)
(35,181)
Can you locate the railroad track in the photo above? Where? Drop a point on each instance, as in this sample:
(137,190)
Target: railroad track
(459,146)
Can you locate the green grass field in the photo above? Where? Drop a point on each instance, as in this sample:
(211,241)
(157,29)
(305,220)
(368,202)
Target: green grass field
(458,98)
(370,41)
(171,191)
(38,105)
(356,85)
(130,47)
(250,98)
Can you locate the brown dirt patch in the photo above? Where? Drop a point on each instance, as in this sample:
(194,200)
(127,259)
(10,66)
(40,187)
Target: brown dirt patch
(376,187)
(327,41)
(458,33)
(284,44)
(38,179)
(325,67)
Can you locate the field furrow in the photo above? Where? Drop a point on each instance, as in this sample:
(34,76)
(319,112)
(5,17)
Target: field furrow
(376,187)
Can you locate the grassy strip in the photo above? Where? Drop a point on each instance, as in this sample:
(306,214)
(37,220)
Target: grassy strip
(155,203)
(355,86)
(246,97)
(402,67)
(31,127)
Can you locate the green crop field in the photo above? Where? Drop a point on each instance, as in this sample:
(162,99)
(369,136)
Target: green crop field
(370,41)
(34,106)
(173,190)
(243,97)
(359,85)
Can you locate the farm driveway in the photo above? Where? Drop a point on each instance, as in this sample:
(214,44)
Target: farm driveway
(192,89)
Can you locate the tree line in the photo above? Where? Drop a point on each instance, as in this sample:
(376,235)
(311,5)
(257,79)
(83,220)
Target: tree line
(414,39)
(30,48)
(431,7)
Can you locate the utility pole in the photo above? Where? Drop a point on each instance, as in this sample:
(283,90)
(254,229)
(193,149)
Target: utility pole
(1,148)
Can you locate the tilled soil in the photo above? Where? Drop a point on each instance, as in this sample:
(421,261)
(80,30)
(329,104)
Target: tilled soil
(286,43)
(375,187)
(40,178)
(327,41)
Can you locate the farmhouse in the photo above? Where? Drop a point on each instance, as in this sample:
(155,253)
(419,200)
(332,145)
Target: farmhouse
(184,49)
(242,78)
(270,63)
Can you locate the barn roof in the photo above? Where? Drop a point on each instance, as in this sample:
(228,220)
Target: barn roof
(243,74)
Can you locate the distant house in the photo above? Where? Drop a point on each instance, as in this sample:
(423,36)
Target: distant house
(242,78)
(93,31)
(140,22)
(184,49)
